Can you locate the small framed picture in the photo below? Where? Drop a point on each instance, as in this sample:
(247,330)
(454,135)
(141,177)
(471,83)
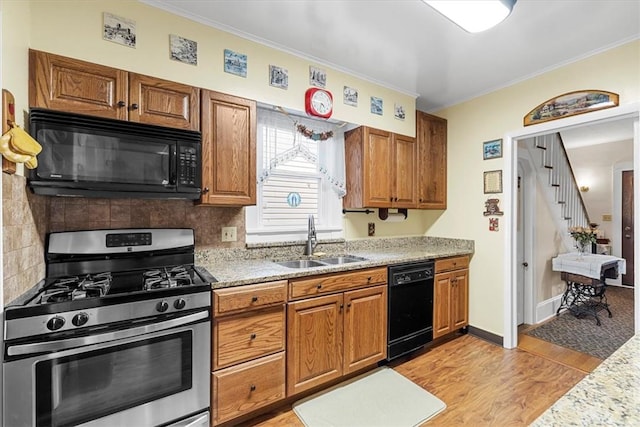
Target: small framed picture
(183,50)
(119,30)
(398,112)
(492,149)
(235,63)
(350,96)
(493,182)
(278,77)
(317,77)
(376,105)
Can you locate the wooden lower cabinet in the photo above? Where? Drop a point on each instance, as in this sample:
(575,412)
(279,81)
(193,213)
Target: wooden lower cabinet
(246,387)
(451,295)
(331,336)
(248,343)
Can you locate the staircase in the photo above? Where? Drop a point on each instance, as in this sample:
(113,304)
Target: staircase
(555,175)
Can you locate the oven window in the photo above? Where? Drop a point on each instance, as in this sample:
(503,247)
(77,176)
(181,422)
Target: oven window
(79,156)
(79,388)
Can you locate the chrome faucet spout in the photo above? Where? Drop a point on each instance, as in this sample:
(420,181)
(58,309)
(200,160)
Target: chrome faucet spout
(312,240)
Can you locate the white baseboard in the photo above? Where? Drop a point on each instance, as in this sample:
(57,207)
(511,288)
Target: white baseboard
(547,309)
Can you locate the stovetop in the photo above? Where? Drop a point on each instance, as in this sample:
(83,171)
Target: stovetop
(103,277)
(86,286)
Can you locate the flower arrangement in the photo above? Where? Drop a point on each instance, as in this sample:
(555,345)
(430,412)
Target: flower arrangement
(584,236)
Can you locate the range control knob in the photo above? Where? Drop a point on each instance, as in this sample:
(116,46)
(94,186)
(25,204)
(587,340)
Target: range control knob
(162,306)
(55,323)
(80,319)
(179,304)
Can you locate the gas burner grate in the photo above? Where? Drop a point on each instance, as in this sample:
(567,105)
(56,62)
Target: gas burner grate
(77,287)
(167,278)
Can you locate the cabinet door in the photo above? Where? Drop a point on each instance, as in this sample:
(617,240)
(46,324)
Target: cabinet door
(405,153)
(441,304)
(431,136)
(228,150)
(67,84)
(314,342)
(365,327)
(378,168)
(164,103)
(459,299)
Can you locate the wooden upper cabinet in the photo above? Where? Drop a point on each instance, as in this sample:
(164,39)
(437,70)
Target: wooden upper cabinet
(67,84)
(404,164)
(381,169)
(162,102)
(228,150)
(431,136)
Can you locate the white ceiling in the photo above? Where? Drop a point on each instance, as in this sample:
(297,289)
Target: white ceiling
(407,46)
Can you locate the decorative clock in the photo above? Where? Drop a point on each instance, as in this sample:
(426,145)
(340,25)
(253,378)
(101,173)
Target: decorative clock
(318,102)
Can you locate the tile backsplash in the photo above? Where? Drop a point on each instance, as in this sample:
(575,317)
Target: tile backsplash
(24,227)
(27,218)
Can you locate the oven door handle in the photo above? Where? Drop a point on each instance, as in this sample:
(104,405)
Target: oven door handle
(40,347)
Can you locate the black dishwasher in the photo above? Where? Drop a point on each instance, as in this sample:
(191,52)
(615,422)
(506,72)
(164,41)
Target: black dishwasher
(410,308)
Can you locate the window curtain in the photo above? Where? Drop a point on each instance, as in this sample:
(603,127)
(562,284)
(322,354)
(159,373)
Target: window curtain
(281,139)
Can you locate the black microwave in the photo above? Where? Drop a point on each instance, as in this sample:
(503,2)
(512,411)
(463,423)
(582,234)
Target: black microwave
(90,156)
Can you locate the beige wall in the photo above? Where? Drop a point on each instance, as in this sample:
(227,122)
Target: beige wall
(490,117)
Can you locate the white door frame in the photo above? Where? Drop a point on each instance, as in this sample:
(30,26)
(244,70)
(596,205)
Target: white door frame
(510,337)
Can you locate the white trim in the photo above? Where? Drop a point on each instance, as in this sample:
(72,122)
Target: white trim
(547,309)
(510,338)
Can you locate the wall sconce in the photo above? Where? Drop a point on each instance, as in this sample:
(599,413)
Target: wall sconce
(584,188)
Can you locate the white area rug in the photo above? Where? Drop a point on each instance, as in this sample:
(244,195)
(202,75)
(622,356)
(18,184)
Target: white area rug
(381,397)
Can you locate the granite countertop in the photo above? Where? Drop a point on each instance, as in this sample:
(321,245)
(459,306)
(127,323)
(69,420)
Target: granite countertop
(236,272)
(608,396)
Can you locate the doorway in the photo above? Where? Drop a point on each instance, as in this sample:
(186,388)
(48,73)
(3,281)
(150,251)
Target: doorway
(630,113)
(627,227)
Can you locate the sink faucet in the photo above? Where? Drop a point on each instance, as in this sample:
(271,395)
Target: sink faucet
(312,241)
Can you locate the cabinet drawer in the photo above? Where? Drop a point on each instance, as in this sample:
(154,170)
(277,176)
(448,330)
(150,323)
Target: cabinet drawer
(241,298)
(319,285)
(243,388)
(454,263)
(247,336)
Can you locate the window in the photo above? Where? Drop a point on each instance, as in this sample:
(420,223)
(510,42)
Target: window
(300,173)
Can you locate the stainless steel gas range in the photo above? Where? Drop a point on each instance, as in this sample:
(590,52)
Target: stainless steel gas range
(118,334)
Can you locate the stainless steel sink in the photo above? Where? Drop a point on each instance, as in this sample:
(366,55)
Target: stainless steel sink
(301,263)
(307,263)
(345,259)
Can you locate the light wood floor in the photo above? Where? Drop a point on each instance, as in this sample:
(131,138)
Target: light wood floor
(482,384)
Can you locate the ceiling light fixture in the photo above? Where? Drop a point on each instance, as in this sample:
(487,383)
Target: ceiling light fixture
(473,16)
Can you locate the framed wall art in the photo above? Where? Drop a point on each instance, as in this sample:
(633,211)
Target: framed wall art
(570,104)
(376,105)
(350,96)
(183,50)
(235,63)
(492,149)
(317,76)
(119,30)
(493,182)
(278,77)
